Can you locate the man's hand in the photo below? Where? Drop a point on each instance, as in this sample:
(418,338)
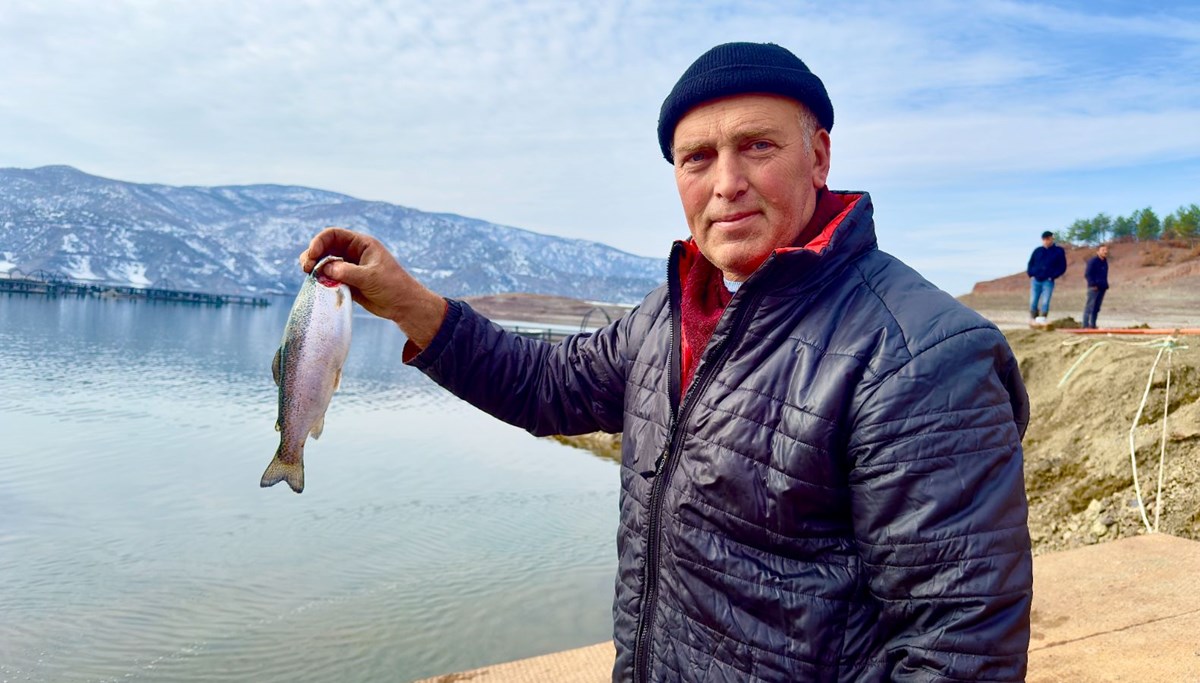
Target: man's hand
(377,281)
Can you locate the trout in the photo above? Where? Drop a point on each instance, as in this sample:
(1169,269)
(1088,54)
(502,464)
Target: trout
(308,369)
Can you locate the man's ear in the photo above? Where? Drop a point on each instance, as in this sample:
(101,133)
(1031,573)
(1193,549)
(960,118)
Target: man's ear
(820,169)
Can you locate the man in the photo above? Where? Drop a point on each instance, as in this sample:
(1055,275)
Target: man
(821,474)
(1047,263)
(1096,274)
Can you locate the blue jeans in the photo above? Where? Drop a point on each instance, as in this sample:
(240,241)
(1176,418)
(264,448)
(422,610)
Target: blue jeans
(1039,297)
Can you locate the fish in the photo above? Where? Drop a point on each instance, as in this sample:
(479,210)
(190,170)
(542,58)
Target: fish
(308,370)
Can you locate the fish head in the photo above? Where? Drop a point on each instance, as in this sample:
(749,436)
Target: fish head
(320,277)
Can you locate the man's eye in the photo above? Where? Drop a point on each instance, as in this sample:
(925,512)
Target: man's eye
(760,145)
(695,157)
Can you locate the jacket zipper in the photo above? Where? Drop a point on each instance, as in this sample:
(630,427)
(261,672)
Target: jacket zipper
(669,457)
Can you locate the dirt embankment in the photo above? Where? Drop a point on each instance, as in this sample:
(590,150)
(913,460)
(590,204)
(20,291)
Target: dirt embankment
(1086,393)
(1079,471)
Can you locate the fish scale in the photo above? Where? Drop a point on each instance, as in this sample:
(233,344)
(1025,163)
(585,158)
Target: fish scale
(308,370)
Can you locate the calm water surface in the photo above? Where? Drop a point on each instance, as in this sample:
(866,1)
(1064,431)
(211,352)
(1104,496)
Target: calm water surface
(136,544)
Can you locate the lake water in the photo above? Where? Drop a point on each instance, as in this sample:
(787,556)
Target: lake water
(136,544)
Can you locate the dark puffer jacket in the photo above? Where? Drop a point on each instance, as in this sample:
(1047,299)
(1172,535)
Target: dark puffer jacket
(838,497)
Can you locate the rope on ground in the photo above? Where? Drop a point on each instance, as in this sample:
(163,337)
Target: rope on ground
(1132,442)
(1166,345)
(1087,353)
(1162,452)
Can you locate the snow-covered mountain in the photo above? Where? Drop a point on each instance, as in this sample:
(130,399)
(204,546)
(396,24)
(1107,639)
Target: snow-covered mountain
(240,239)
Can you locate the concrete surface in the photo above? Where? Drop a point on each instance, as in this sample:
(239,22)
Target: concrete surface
(591,664)
(1127,610)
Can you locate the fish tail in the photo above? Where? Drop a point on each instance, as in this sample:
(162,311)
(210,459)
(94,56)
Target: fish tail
(280,470)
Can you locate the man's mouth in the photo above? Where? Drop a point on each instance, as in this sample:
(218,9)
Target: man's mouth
(733,218)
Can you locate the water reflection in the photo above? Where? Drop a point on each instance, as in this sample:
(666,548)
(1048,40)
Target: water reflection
(135,542)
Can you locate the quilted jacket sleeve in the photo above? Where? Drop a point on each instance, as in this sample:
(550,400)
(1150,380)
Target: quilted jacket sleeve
(572,387)
(940,513)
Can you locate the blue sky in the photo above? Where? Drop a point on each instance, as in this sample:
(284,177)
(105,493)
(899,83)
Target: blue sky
(975,126)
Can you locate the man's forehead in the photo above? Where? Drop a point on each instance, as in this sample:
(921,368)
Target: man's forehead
(739,115)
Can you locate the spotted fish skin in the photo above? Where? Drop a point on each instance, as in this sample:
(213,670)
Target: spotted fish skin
(308,369)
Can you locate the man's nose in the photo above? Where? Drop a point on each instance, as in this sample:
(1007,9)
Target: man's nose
(731,181)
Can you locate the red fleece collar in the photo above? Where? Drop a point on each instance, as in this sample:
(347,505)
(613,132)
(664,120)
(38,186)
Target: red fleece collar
(831,209)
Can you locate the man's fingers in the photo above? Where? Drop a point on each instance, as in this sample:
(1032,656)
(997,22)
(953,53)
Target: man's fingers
(343,271)
(317,248)
(336,241)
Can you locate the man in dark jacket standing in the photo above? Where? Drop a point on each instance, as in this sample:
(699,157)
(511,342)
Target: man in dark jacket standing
(821,474)
(1097,284)
(1046,264)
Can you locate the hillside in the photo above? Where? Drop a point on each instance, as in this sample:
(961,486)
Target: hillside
(57,221)
(1152,283)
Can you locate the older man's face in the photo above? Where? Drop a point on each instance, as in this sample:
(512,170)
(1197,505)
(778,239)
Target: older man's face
(747,178)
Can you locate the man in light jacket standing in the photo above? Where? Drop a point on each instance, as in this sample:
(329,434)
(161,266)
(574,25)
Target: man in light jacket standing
(1046,264)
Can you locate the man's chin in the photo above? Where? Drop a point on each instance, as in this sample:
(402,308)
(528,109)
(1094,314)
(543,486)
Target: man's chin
(737,266)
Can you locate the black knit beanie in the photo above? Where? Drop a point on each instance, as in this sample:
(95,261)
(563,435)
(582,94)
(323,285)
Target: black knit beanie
(738,69)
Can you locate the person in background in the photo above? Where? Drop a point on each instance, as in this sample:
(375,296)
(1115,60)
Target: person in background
(1046,264)
(1097,284)
(821,469)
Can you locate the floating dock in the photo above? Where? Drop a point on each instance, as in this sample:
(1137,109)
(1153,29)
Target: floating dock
(63,287)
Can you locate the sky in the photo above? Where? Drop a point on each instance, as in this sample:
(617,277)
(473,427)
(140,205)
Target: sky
(974,126)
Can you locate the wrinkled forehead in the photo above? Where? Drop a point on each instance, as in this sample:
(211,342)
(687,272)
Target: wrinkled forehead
(739,113)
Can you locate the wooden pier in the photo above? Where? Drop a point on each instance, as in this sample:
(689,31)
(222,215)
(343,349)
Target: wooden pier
(55,286)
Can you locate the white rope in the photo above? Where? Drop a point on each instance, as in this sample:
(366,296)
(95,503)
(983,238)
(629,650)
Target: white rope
(1165,344)
(1137,488)
(1076,364)
(1162,453)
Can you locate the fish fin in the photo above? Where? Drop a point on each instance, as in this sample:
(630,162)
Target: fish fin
(277,427)
(278,470)
(318,427)
(275,369)
(337,380)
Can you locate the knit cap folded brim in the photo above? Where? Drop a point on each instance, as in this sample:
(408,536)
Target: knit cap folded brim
(739,69)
